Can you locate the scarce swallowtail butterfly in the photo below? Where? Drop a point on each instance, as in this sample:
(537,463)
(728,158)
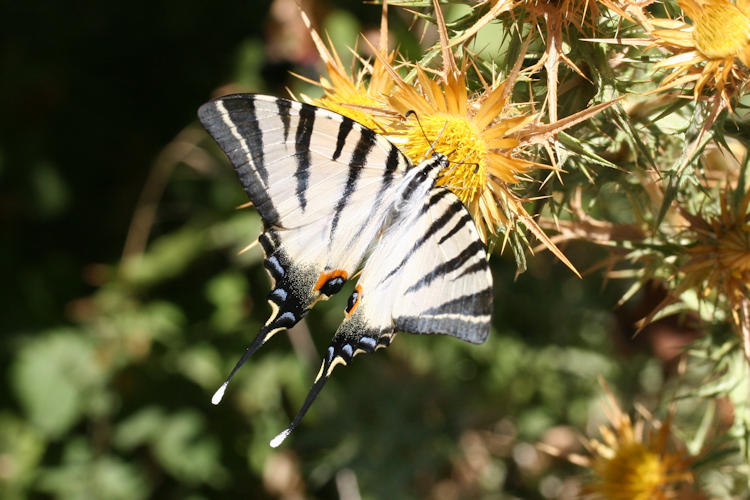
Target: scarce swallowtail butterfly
(335,197)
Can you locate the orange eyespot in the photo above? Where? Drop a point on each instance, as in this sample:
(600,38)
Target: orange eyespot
(330,282)
(354,299)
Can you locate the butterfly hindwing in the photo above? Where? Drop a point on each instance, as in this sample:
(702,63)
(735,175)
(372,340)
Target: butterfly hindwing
(426,275)
(445,285)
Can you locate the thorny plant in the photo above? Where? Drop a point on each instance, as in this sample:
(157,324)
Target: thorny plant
(613,123)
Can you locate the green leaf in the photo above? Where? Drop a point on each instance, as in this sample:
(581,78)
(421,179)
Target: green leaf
(139,429)
(228,293)
(21,450)
(187,452)
(83,475)
(167,257)
(52,378)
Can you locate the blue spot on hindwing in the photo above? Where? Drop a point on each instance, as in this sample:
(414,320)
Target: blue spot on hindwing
(347,350)
(275,266)
(285,320)
(368,342)
(279,293)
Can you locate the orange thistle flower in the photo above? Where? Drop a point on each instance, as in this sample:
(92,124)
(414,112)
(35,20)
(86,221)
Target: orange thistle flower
(719,260)
(707,52)
(481,140)
(360,96)
(640,460)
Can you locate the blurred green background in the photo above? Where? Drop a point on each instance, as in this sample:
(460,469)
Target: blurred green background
(125,302)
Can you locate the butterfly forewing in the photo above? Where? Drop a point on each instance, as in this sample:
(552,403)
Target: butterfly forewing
(297,162)
(320,181)
(322,185)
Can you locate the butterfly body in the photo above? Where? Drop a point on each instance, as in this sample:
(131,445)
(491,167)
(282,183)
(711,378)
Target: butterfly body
(335,197)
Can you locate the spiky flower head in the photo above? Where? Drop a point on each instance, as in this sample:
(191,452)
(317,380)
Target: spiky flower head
(482,134)
(718,260)
(711,53)
(473,131)
(631,462)
(355,97)
(641,460)
(359,95)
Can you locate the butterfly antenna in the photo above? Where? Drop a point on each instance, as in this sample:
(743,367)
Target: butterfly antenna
(462,162)
(419,122)
(256,343)
(325,371)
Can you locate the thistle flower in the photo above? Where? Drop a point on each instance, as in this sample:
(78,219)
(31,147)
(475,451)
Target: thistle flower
(633,463)
(359,96)
(641,460)
(718,262)
(484,136)
(477,136)
(712,53)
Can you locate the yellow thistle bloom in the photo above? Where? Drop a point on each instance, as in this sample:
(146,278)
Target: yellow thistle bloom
(479,134)
(722,29)
(708,51)
(358,96)
(353,97)
(448,122)
(719,260)
(633,461)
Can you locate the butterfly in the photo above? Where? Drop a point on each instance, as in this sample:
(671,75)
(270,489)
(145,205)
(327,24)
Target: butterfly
(335,198)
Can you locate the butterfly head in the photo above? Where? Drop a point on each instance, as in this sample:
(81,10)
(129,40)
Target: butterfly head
(440,162)
(440,165)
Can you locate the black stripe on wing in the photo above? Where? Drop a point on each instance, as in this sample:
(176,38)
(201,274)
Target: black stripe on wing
(467,317)
(302,151)
(359,159)
(391,164)
(232,122)
(477,303)
(448,266)
(346,126)
(243,116)
(436,225)
(395,157)
(457,227)
(480,266)
(284,105)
